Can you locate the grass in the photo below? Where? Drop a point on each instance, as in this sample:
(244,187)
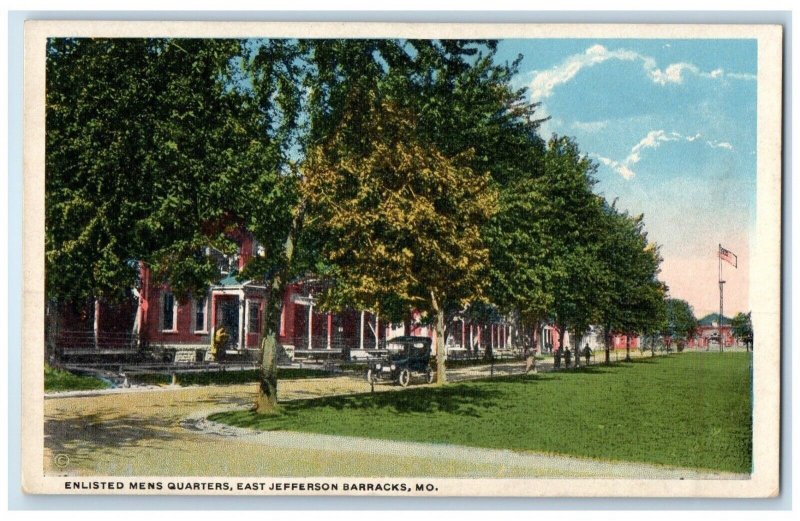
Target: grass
(688,410)
(57,380)
(224,377)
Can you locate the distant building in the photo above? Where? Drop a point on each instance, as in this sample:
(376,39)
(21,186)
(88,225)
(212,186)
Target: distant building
(708,331)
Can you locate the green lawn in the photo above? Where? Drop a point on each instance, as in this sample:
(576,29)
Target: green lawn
(687,410)
(58,380)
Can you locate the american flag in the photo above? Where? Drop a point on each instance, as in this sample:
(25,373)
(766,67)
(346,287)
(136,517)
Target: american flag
(727,256)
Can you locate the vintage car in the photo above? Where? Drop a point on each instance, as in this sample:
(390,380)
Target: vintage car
(406,357)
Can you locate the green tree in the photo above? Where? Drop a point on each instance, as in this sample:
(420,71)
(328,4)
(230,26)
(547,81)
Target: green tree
(160,148)
(94,154)
(570,212)
(267,196)
(633,295)
(742,328)
(148,143)
(462,103)
(680,324)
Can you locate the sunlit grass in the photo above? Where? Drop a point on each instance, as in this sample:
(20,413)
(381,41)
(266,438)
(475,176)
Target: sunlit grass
(687,410)
(59,380)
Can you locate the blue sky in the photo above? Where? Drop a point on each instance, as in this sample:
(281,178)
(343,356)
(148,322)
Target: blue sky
(672,127)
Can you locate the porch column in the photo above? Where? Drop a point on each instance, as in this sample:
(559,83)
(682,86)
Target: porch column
(361,333)
(246,320)
(241,318)
(213,326)
(96,323)
(377,332)
(463,327)
(471,336)
(330,326)
(491,336)
(310,324)
(479,336)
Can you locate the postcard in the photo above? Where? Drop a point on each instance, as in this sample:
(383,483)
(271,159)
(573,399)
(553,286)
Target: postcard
(402,259)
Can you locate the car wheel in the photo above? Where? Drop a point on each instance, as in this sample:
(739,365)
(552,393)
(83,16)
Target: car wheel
(429,376)
(404,377)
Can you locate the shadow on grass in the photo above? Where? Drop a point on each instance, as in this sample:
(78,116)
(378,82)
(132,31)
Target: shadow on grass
(453,399)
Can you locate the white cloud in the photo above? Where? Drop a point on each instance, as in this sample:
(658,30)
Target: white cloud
(720,144)
(544,82)
(618,167)
(653,139)
(672,74)
(589,126)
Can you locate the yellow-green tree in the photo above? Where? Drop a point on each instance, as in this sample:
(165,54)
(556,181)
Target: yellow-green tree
(401,221)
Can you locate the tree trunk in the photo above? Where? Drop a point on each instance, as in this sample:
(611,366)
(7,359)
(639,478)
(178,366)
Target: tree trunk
(607,341)
(96,323)
(627,347)
(267,399)
(561,333)
(441,372)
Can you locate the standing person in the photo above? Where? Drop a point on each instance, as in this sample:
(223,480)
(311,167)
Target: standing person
(587,353)
(530,359)
(218,344)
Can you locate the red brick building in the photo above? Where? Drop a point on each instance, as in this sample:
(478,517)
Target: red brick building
(183,330)
(708,331)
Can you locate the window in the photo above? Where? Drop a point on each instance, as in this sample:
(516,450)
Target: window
(168,311)
(254,318)
(200,315)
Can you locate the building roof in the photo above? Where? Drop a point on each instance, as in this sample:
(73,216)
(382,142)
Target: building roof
(712,319)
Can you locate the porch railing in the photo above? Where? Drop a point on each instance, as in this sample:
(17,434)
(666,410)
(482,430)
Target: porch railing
(86,340)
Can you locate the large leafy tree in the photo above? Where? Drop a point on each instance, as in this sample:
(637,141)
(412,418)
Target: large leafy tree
(462,106)
(158,149)
(399,218)
(149,143)
(570,213)
(633,294)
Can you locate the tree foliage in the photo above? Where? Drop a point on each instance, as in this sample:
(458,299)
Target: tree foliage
(401,220)
(680,324)
(155,151)
(742,328)
(571,227)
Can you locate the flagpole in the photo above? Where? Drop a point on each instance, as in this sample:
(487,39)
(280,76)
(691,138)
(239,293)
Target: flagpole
(721,282)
